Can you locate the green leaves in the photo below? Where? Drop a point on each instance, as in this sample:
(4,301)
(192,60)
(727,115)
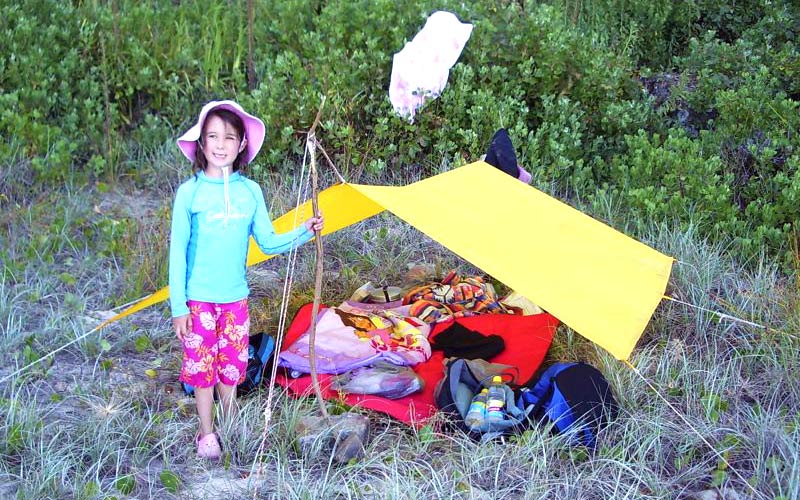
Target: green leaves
(714,406)
(170,481)
(142,343)
(82,80)
(125,484)
(105,345)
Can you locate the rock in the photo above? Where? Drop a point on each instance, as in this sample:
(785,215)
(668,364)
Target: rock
(479,494)
(263,282)
(705,495)
(715,494)
(345,435)
(349,448)
(8,490)
(419,273)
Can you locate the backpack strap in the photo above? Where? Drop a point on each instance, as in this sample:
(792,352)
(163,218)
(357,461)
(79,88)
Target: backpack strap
(542,385)
(532,410)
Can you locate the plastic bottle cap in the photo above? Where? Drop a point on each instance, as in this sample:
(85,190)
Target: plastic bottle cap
(484,390)
(497,379)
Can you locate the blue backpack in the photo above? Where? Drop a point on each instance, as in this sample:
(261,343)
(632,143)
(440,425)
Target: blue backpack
(259,354)
(573,397)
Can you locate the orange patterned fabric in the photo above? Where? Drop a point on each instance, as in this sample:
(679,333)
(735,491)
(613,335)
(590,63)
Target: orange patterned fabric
(454,297)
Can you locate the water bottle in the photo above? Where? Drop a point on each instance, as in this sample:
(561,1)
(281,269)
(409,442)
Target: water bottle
(477,410)
(495,404)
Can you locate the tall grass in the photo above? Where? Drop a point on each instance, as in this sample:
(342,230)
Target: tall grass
(97,423)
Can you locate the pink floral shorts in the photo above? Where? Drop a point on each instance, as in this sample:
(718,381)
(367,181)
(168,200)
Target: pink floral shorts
(215,350)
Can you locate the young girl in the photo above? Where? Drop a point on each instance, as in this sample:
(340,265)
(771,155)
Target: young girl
(215,213)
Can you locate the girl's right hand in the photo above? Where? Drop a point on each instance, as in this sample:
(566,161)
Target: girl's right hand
(182,325)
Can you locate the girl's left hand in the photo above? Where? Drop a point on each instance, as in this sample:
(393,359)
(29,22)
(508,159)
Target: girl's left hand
(315,223)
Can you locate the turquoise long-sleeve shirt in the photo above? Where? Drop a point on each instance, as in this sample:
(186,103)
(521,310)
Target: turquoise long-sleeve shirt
(210,236)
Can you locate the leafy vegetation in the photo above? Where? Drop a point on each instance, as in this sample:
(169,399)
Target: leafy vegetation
(87,86)
(676,122)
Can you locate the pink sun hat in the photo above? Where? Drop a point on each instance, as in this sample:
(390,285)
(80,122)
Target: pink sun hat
(254,131)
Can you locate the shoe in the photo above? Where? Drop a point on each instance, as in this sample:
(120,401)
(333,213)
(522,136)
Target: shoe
(208,447)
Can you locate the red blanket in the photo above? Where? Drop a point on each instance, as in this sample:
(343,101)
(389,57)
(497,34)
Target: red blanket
(527,339)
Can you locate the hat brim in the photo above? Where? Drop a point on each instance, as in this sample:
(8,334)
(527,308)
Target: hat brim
(254,131)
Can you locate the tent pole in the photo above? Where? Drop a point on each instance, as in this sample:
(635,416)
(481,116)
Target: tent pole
(716,313)
(311,145)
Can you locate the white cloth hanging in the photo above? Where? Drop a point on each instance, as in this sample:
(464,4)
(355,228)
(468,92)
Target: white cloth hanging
(420,70)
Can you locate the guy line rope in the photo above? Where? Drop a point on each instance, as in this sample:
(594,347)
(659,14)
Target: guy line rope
(309,153)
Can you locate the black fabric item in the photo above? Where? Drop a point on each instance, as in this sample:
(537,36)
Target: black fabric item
(460,342)
(260,358)
(501,153)
(589,394)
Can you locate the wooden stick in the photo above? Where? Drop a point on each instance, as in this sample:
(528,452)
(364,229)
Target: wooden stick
(311,146)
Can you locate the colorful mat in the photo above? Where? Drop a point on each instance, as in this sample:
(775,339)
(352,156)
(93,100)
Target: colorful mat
(527,339)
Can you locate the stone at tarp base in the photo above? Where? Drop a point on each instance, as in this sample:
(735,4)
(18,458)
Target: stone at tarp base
(345,436)
(419,273)
(715,494)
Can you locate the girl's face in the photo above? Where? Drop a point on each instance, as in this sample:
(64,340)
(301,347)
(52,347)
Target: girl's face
(221,144)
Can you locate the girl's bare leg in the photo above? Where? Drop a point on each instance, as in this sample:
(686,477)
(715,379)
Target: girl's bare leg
(227,399)
(204,399)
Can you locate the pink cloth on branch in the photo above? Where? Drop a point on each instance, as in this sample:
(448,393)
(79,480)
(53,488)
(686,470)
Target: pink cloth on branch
(420,70)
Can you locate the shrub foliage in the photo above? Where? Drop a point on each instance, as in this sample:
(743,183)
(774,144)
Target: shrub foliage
(683,109)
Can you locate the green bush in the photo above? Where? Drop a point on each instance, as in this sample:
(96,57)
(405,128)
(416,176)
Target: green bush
(651,32)
(671,178)
(88,88)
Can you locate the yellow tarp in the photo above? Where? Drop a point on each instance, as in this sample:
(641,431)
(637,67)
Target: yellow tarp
(601,283)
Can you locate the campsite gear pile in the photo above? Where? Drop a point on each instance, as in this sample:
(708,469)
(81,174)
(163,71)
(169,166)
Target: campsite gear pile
(527,339)
(360,344)
(373,350)
(573,399)
(371,341)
